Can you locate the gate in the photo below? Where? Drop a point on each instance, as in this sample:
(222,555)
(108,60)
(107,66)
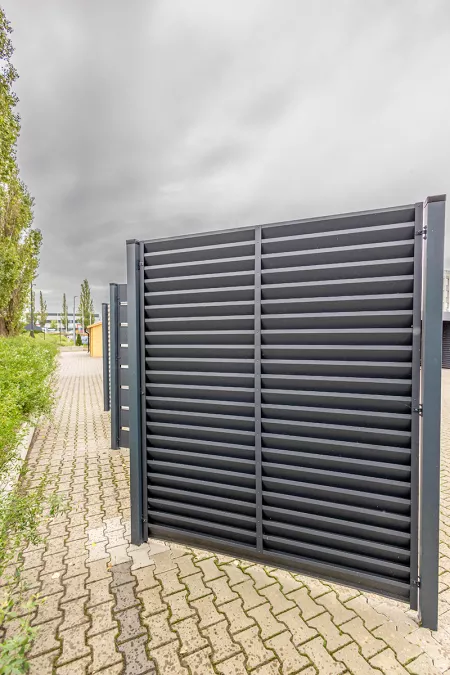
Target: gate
(117,356)
(276,398)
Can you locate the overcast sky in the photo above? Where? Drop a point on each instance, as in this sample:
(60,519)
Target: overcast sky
(146,118)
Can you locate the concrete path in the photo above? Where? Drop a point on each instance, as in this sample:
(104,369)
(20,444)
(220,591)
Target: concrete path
(113,608)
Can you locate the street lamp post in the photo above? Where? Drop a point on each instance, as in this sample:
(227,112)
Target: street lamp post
(73,319)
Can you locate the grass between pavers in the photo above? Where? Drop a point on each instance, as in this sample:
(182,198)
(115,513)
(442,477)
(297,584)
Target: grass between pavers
(27,371)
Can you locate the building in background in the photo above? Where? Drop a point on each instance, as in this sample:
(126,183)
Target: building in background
(95,339)
(56,316)
(446,296)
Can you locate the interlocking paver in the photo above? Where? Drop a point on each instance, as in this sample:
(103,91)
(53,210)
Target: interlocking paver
(221,589)
(199,663)
(235,574)
(168,660)
(136,659)
(221,642)
(74,613)
(203,612)
(236,616)
(387,662)
(354,661)
(334,639)
(290,658)
(43,665)
(101,619)
(337,610)
(368,643)
(323,661)
(104,651)
(233,666)
(73,644)
(207,611)
(250,597)
(268,624)
(160,630)
(170,582)
(190,637)
(253,647)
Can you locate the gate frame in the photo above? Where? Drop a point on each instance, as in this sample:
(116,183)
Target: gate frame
(426,396)
(114,348)
(433,275)
(136,392)
(106,356)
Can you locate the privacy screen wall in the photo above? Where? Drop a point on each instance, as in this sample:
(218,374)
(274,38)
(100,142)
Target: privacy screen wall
(274,395)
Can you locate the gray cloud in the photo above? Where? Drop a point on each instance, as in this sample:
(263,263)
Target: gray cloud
(146,119)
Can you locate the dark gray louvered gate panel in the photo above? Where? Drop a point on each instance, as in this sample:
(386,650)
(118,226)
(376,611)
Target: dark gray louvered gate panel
(326,487)
(199,323)
(446,344)
(124,424)
(337,315)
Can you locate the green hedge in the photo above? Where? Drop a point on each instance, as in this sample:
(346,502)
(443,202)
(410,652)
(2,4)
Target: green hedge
(26,388)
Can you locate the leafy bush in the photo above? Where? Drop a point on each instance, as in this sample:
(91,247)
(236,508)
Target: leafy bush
(78,341)
(27,369)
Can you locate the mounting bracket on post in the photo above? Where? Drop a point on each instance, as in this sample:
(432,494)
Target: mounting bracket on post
(419,410)
(422,232)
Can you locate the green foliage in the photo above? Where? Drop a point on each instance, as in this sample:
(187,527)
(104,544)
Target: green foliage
(19,242)
(64,315)
(86,306)
(42,310)
(26,386)
(78,340)
(27,370)
(53,324)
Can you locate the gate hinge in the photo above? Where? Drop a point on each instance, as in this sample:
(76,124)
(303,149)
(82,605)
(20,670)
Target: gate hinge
(416,582)
(142,391)
(419,410)
(422,232)
(139,264)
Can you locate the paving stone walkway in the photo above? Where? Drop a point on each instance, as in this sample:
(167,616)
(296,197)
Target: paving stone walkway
(114,608)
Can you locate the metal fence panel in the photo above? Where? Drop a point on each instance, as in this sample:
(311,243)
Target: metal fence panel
(119,376)
(278,370)
(106,356)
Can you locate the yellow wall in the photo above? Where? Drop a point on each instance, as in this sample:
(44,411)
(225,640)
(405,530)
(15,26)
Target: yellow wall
(96,340)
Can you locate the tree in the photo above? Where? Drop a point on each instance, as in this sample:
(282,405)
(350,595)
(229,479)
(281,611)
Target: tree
(53,324)
(20,243)
(65,315)
(42,310)
(78,340)
(33,302)
(86,306)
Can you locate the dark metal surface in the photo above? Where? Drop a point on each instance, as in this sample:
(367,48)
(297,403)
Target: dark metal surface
(415,403)
(134,393)
(105,352)
(434,221)
(114,356)
(280,383)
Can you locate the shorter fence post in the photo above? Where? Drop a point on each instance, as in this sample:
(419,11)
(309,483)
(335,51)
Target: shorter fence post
(114,337)
(134,369)
(433,276)
(105,349)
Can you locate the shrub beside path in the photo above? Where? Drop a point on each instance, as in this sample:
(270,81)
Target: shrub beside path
(114,608)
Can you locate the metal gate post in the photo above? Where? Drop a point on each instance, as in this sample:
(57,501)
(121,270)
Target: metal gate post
(134,369)
(114,337)
(105,349)
(433,274)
